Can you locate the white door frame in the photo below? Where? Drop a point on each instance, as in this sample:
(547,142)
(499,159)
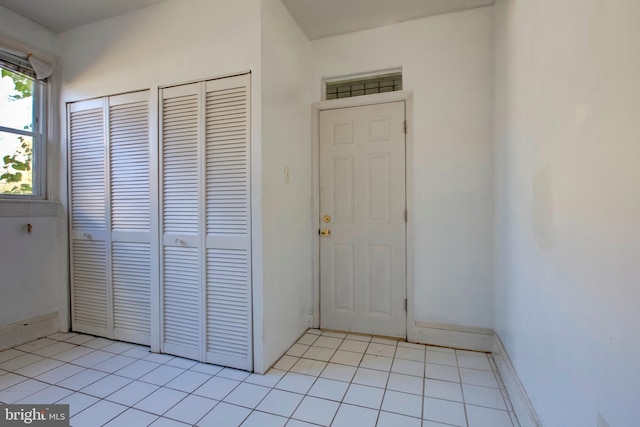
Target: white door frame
(358,101)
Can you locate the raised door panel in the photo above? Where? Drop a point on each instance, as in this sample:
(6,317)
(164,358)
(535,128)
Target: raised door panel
(380,290)
(344,277)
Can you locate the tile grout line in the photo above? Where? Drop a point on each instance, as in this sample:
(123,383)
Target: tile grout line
(245,379)
(464,400)
(386,385)
(306,394)
(424,385)
(303,395)
(73,391)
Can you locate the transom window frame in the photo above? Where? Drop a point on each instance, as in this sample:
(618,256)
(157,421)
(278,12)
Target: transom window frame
(38,133)
(355,79)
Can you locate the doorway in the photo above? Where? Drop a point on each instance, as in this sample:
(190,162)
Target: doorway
(363,229)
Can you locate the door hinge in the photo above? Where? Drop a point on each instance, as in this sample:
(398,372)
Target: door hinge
(406,215)
(405,126)
(406,304)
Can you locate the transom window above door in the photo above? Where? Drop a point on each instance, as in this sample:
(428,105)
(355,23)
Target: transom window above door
(369,85)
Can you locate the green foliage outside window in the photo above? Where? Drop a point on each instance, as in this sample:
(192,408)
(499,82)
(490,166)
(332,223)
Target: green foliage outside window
(16,175)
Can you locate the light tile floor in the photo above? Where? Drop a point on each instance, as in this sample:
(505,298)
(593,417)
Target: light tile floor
(326,378)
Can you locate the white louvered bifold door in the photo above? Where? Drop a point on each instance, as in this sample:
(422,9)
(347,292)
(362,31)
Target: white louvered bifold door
(128,132)
(228,236)
(110,216)
(88,218)
(181,311)
(206,259)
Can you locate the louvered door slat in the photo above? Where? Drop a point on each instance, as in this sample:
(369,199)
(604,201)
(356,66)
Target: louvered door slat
(228,302)
(87,169)
(87,193)
(205,170)
(180,164)
(131,264)
(89,293)
(181,282)
(181,305)
(129,165)
(227,306)
(220,163)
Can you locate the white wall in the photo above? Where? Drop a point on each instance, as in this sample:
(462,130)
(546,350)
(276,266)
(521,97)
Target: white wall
(22,31)
(568,205)
(446,62)
(160,45)
(286,206)
(33,266)
(29,265)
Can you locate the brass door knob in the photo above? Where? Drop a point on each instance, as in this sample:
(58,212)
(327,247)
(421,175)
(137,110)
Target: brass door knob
(325,232)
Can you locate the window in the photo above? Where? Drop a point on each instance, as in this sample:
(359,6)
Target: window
(22,145)
(364,86)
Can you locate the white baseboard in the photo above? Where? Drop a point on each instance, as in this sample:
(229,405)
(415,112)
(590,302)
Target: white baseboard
(28,330)
(520,401)
(461,337)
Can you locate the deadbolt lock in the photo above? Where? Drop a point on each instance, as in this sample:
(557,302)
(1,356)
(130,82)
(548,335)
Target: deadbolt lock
(326,219)
(325,232)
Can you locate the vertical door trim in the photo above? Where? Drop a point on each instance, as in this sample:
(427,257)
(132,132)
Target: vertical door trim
(154,225)
(107,215)
(407,97)
(202,216)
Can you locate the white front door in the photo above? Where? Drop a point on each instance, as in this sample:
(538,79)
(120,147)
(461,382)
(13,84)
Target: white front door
(362,206)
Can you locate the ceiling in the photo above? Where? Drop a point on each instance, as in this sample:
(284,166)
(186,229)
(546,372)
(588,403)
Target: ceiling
(317,18)
(323,18)
(61,15)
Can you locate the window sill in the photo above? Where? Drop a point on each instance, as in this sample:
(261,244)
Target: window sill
(28,208)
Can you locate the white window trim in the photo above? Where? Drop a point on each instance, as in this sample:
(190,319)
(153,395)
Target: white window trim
(28,208)
(39,135)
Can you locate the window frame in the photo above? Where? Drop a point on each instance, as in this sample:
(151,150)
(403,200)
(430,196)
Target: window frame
(373,74)
(39,144)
